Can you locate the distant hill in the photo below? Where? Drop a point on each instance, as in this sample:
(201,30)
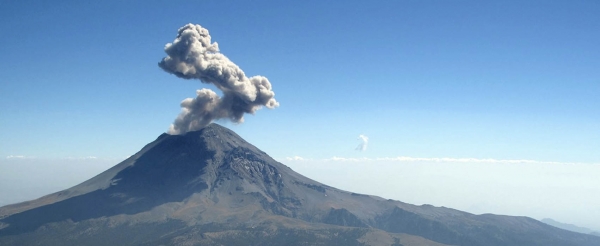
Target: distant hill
(210,187)
(570,227)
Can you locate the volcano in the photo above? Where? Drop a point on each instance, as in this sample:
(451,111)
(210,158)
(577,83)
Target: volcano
(210,187)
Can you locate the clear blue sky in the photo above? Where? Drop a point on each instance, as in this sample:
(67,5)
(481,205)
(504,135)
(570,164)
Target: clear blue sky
(459,79)
(507,79)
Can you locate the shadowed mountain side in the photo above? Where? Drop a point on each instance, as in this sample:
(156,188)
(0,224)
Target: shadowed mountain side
(149,182)
(487,229)
(570,227)
(211,187)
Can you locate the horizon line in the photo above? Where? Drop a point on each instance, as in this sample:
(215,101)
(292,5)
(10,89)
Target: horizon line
(433,159)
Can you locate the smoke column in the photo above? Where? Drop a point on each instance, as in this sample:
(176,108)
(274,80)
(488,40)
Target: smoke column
(192,56)
(364,140)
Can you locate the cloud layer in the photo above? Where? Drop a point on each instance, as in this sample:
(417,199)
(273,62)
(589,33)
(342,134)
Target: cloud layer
(429,159)
(192,56)
(20,157)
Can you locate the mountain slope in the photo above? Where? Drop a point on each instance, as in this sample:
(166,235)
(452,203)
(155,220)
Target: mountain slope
(211,187)
(570,227)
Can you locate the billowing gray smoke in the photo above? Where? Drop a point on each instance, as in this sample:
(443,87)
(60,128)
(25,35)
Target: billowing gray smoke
(193,56)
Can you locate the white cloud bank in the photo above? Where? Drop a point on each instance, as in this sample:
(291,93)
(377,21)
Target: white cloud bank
(428,159)
(441,159)
(295,158)
(19,157)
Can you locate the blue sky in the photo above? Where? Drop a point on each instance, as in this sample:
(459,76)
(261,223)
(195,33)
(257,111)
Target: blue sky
(459,79)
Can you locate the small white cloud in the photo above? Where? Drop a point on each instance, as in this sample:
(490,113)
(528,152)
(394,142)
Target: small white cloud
(295,158)
(19,157)
(81,158)
(344,159)
(364,140)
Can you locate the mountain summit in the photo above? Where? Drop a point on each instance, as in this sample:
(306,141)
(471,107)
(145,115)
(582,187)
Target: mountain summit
(211,187)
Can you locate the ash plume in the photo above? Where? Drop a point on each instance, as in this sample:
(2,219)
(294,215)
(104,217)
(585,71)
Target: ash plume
(192,56)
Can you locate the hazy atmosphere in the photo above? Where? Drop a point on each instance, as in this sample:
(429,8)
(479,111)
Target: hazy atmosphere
(486,107)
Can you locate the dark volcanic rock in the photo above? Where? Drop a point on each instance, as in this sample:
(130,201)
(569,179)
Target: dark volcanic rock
(210,187)
(343,217)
